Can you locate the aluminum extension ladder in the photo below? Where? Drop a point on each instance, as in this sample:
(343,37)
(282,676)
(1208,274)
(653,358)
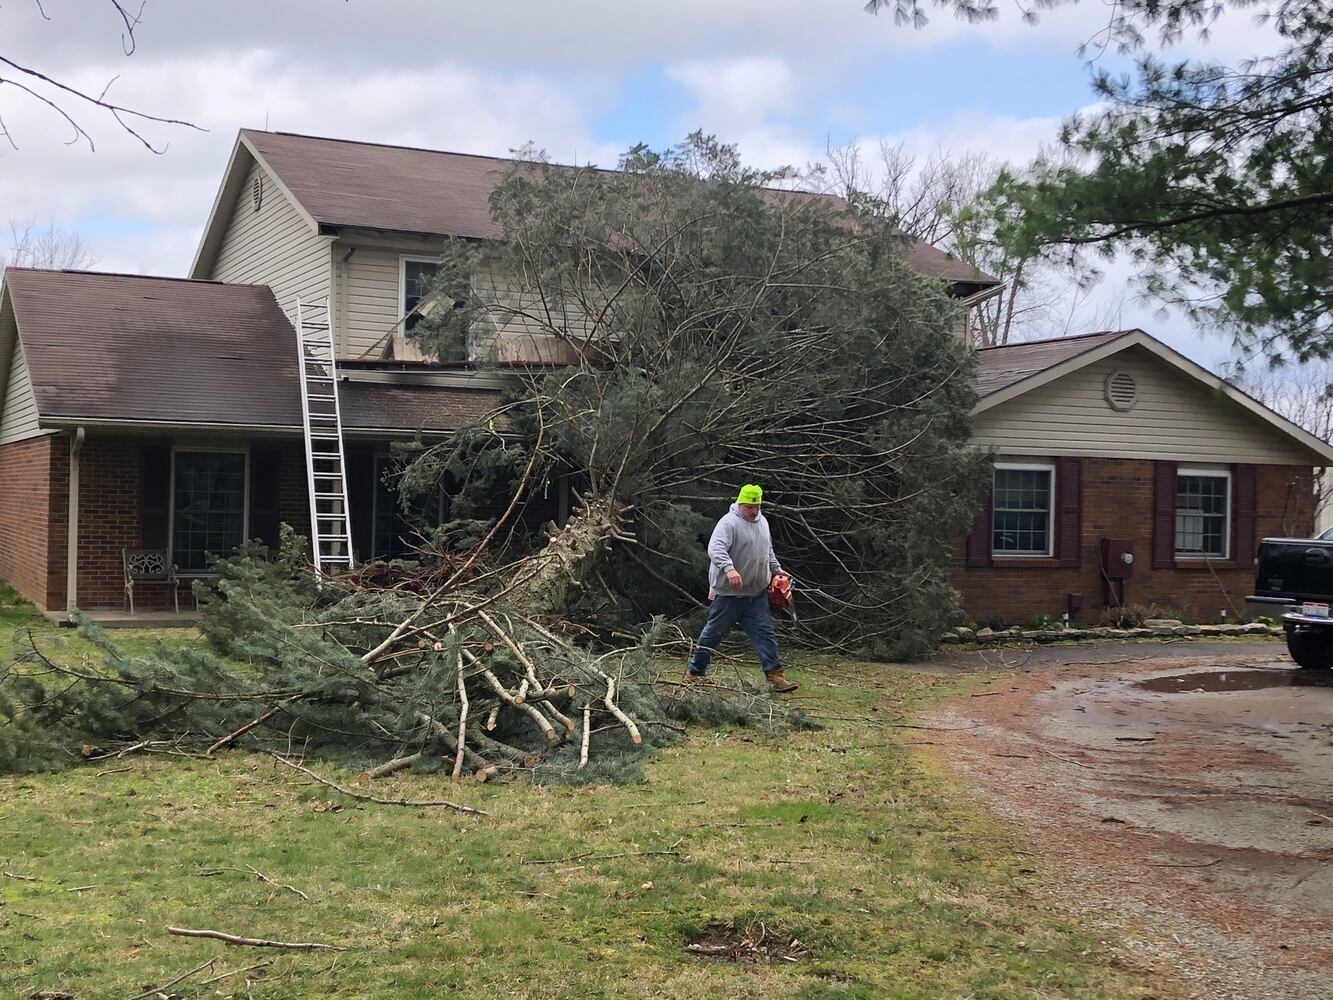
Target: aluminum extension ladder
(326,470)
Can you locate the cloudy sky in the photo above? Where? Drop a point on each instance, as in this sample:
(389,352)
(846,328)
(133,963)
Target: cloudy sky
(582,79)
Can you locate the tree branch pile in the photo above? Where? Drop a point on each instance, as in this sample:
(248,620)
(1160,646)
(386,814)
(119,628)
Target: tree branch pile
(383,679)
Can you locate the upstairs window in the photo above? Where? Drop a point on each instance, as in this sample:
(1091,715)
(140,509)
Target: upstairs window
(1202,514)
(207,507)
(1021,510)
(415,279)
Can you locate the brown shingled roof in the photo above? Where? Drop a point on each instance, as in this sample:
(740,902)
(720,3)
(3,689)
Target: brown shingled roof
(1000,367)
(124,348)
(366,185)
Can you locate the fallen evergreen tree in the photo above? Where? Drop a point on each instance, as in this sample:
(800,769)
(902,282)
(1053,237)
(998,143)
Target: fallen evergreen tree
(712,331)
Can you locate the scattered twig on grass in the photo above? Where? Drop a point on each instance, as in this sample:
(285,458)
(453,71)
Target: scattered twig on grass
(594,856)
(233,972)
(21,878)
(81,888)
(153,991)
(252,870)
(421,803)
(253,942)
(113,770)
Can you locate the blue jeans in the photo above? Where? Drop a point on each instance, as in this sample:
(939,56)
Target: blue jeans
(724,614)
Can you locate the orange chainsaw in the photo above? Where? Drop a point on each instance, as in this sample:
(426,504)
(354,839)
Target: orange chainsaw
(782,594)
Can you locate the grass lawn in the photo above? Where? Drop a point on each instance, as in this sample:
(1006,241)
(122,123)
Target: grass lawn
(853,839)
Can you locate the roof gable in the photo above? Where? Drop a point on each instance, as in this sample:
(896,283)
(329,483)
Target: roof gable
(1006,374)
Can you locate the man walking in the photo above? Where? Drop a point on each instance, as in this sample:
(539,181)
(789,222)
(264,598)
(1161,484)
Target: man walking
(741,565)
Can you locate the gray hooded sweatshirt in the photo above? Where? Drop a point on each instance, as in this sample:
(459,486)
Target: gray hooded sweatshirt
(744,546)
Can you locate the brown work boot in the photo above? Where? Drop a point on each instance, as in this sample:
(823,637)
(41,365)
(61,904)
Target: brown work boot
(698,680)
(778,680)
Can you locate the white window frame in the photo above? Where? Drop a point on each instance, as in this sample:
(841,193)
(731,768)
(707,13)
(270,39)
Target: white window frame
(1214,473)
(403,261)
(171,502)
(1050,513)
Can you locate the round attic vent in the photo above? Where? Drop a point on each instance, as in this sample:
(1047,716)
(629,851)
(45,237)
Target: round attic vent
(1122,391)
(257,192)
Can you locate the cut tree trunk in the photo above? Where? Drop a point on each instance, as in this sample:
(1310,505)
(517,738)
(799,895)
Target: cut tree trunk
(551,578)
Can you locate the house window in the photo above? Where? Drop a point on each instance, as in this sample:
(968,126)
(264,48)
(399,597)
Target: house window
(207,506)
(1202,514)
(393,532)
(1021,510)
(415,281)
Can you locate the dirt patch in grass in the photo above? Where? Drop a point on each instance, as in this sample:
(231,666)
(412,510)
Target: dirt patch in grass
(729,941)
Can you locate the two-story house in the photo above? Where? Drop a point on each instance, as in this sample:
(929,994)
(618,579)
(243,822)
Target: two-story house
(165,414)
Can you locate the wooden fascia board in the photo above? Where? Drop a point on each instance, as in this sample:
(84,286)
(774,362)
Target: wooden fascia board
(1321,450)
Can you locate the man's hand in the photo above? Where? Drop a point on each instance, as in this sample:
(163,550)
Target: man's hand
(734,578)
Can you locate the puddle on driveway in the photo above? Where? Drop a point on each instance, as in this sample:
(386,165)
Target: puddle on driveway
(1236,680)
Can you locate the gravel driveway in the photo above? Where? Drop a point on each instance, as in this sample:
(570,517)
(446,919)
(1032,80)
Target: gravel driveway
(1182,798)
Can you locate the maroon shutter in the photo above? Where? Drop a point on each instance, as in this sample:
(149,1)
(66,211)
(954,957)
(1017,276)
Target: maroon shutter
(1244,490)
(1069,511)
(979,538)
(155,496)
(264,463)
(1163,515)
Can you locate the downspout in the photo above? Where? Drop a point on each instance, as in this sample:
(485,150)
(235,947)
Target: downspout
(72,543)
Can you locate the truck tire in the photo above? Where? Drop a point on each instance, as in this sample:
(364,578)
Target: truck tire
(1311,648)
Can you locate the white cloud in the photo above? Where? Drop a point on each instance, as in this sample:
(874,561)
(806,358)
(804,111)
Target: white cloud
(159,203)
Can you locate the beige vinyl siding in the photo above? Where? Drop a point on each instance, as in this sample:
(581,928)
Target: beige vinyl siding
(1175,418)
(273,246)
(18,416)
(369,306)
(523,321)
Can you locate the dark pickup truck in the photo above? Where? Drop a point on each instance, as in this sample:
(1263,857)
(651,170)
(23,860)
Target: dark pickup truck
(1294,581)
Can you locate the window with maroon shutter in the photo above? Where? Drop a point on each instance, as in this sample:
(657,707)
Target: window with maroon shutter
(1069,514)
(1203,513)
(154,496)
(1164,515)
(1023,506)
(1244,484)
(979,538)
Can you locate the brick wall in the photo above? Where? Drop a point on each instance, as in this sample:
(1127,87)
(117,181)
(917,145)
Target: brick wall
(110,513)
(110,472)
(25,496)
(1118,503)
